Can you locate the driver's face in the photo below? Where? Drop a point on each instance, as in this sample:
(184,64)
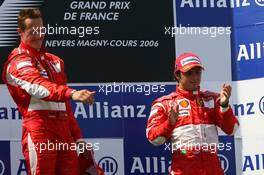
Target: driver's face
(191,79)
(32,35)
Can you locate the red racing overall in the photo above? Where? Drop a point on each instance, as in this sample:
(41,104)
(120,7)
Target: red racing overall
(37,83)
(199,115)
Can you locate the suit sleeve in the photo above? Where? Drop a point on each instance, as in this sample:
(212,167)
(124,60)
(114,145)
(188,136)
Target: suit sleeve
(22,72)
(158,127)
(226,119)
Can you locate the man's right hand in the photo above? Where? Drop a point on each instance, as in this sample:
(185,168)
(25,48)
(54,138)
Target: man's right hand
(84,96)
(173,114)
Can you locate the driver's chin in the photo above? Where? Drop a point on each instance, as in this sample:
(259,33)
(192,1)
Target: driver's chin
(193,87)
(36,45)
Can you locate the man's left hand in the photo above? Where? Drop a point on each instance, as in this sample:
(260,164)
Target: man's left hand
(85,149)
(225,94)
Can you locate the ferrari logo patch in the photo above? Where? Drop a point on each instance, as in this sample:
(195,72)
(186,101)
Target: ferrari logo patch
(200,102)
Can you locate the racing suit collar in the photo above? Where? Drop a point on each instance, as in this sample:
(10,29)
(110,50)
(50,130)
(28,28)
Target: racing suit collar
(187,94)
(31,50)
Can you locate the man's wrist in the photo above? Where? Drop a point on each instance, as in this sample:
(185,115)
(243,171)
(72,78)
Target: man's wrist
(224,105)
(224,109)
(72,92)
(80,140)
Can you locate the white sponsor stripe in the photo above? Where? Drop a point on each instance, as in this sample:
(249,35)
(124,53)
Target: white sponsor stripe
(195,134)
(158,141)
(148,129)
(57,67)
(160,105)
(153,112)
(32,156)
(188,60)
(23,64)
(8,77)
(235,129)
(183,113)
(35,90)
(209,104)
(38,104)
(154,109)
(45,76)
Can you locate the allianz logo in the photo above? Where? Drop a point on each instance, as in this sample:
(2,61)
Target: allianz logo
(157,165)
(2,167)
(10,113)
(253,163)
(100,110)
(224,162)
(260,2)
(251,51)
(143,165)
(219,3)
(249,108)
(109,165)
(104,110)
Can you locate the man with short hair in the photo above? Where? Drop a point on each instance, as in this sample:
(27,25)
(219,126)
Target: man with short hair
(189,118)
(37,82)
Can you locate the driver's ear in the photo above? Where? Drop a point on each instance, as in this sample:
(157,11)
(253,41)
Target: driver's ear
(177,76)
(19,31)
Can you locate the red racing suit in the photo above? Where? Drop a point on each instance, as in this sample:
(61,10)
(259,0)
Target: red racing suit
(194,137)
(37,83)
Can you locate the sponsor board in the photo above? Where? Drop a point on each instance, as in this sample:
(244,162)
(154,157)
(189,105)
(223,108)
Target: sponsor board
(18,165)
(227,156)
(248,106)
(114,108)
(250,15)
(9,116)
(149,159)
(220,3)
(198,11)
(109,154)
(252,156)
(248,53)
(81,27)
(119,155)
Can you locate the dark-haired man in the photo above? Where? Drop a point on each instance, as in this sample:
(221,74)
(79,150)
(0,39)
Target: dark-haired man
(189,118)
(37,83)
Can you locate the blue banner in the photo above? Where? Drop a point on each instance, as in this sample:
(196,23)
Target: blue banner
(247,52)
(195,13)
(121,111)
(251,14)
